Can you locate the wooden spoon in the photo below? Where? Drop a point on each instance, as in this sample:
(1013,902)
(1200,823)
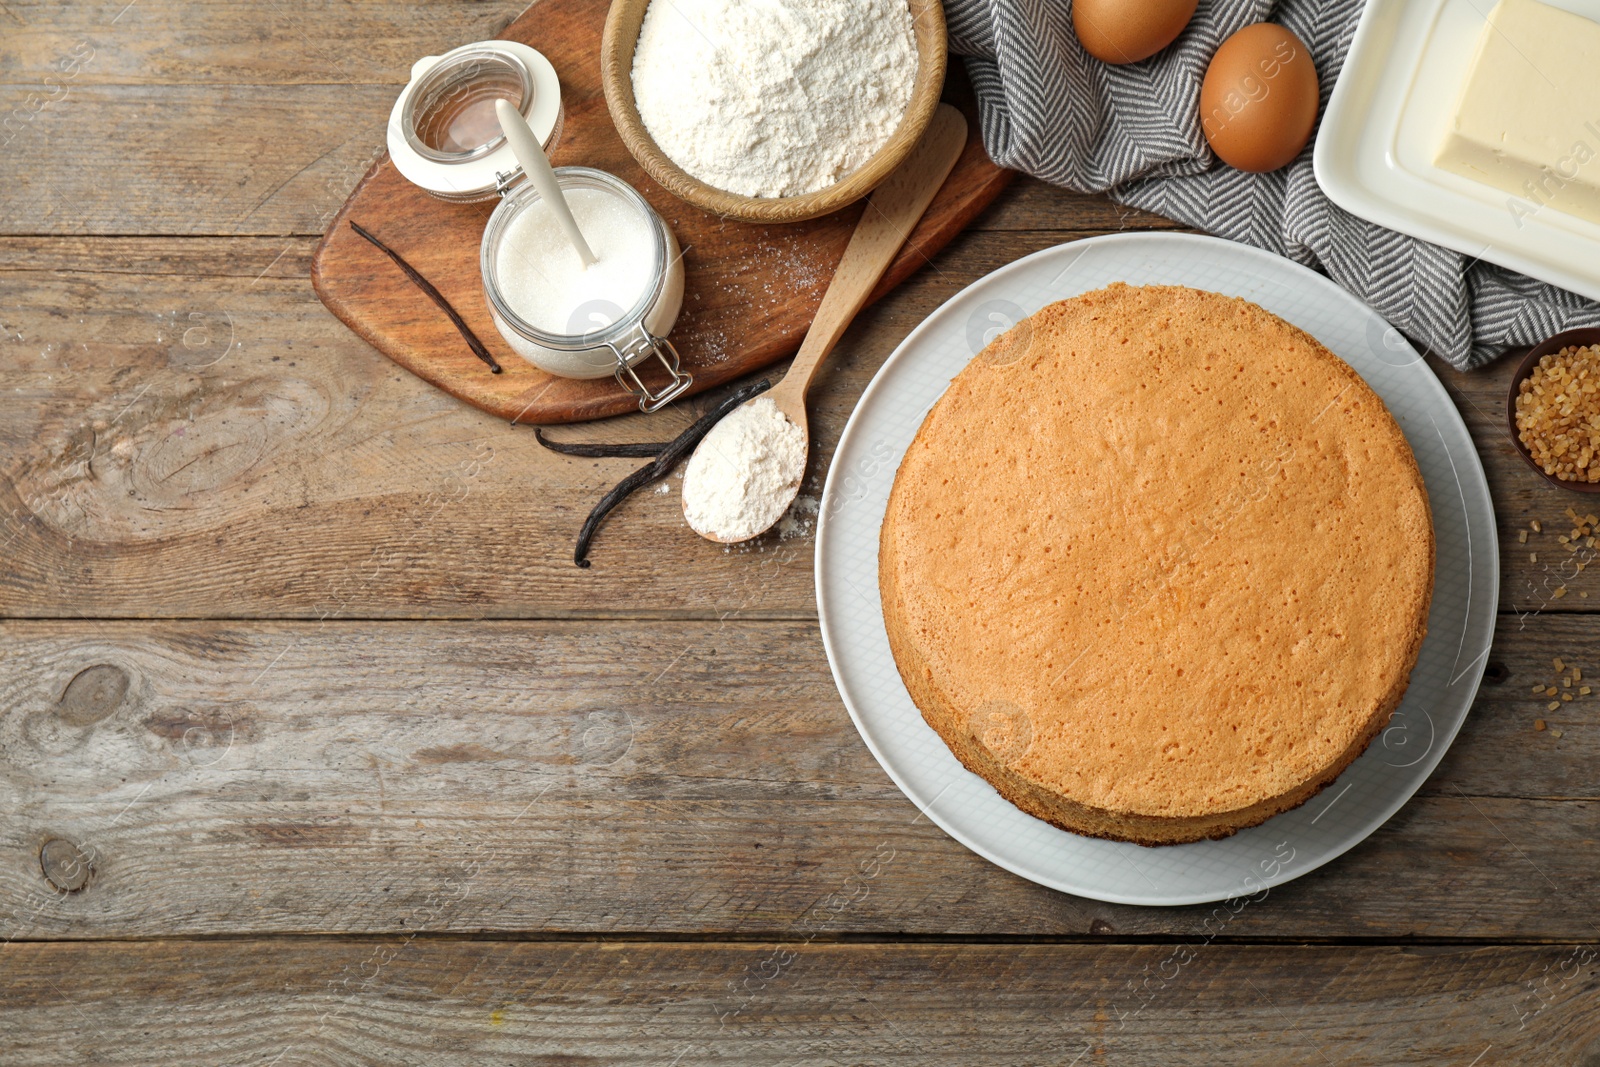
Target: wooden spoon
(891,212)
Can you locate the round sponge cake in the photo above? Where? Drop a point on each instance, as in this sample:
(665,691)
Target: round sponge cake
(1157,565)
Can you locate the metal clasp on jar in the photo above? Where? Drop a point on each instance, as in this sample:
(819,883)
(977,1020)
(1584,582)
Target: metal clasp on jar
(639,346)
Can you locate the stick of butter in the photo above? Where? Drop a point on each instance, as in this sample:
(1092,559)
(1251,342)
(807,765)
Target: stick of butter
(1528,119)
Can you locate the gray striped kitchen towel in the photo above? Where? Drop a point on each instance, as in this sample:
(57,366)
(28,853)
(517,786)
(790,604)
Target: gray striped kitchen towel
(1051,110)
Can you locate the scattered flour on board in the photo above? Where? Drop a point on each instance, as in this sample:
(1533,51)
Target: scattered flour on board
(775,98)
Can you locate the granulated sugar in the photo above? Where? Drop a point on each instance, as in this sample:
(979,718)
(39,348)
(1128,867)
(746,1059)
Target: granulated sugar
(743,475)
(546,283)
(776,98)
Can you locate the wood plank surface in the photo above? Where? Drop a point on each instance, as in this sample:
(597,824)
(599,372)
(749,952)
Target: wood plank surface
(190,159)
(237,42)
(641,778)
(628,822)
(420,1001)
(167,402)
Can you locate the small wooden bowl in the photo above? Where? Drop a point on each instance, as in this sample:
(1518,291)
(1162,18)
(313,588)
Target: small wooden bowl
(616,71)
(1567,339)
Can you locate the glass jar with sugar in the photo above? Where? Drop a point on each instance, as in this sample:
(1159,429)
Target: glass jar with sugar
(586,322)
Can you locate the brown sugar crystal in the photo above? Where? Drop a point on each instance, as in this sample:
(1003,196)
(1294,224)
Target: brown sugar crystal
(1558,414)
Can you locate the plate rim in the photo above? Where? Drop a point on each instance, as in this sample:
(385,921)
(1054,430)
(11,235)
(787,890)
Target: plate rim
(824,537)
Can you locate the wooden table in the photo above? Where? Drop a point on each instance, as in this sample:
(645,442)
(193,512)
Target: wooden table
(316,749)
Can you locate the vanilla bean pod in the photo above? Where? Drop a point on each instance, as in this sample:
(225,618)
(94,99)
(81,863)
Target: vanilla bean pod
(676,449)
(648,449)
(434,295)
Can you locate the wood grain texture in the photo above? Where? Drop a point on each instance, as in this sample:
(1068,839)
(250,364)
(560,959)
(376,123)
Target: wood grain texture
(165,402)
(750,290)
(421,1001)
(191,159)
(186,432)
(687,778)
(239,42)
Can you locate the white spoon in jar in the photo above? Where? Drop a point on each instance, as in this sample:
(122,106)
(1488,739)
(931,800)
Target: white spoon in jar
(747,471)
(537,169)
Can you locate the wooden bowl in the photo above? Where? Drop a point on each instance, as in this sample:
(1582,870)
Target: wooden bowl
(616,71)
(1568,338)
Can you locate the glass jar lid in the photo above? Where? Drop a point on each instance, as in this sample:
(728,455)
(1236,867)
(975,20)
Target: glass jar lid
(443,135)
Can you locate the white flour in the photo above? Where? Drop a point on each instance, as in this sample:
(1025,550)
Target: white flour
(743,475)
(773,97)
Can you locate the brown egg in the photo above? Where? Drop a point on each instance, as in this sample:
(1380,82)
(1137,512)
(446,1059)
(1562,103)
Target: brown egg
(1259,98)
(1126,31)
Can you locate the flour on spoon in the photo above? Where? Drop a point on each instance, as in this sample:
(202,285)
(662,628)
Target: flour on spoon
(742,477)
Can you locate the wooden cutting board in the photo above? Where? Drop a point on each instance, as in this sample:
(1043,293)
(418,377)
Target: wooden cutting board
(751,290)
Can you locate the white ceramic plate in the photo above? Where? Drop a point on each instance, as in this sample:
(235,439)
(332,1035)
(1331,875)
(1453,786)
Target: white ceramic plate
(1443,684)
(1384,121)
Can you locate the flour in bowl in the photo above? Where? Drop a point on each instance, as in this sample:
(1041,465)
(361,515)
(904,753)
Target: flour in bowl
(776,98)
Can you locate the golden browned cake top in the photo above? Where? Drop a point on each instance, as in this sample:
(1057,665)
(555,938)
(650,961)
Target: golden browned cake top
(1184,538)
